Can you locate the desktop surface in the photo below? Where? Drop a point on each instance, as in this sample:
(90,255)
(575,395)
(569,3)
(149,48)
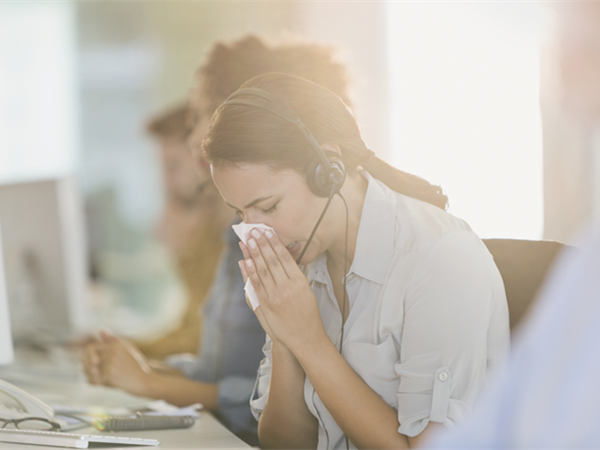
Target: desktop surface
(59,381)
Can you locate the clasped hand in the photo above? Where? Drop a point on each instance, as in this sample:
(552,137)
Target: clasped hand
(116,362)
(288,309)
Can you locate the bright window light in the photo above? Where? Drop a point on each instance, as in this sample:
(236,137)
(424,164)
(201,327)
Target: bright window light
(464,80)
(38,133)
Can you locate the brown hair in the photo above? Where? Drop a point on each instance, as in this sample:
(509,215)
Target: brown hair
(229,65)
(172,123)
(242,134)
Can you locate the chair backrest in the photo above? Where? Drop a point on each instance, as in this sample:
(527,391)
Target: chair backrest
(523,265)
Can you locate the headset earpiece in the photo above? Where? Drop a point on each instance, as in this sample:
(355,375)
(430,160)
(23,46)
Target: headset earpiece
(326,170)
(322,179)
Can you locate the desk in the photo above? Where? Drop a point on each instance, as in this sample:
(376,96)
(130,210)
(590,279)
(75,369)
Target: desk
(60,382)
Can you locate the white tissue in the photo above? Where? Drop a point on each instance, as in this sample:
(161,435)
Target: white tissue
(243,232)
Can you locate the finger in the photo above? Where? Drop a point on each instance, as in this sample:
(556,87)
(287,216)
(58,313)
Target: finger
(287,262)
(263,321)
(272,259)
(245,250)
(91,365)
(106,335)
(104,354)
(94,357)
(89,356)
(255,279)
(105,368)
(260,266)
(242,265)
(244,271)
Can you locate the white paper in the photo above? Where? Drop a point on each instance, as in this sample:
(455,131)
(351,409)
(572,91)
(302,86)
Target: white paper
(243,232)
(169,410)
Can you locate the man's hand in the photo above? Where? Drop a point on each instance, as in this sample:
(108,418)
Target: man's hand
(114,361)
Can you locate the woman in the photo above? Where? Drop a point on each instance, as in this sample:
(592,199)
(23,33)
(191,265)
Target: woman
(397,312)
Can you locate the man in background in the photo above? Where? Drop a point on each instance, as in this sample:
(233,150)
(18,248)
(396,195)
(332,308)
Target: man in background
(190,226)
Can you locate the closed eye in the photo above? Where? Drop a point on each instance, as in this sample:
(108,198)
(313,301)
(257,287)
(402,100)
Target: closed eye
(271,209)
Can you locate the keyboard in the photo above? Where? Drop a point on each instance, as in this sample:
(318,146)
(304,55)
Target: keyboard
(60,439)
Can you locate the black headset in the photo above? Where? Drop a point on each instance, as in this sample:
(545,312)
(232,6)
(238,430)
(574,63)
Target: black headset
(326,172)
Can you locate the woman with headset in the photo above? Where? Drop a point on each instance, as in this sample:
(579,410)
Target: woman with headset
(384,313)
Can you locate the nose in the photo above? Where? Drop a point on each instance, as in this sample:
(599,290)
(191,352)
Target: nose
(251,218)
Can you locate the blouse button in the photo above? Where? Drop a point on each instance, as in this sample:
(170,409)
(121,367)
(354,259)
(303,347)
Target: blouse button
(443,376)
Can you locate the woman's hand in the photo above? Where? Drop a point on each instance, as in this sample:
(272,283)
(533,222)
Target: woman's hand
(288,308)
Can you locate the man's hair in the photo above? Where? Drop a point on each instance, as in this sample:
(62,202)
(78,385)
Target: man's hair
(172,123)
(228,66)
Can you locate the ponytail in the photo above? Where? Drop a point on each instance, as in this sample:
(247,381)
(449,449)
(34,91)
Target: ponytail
(241,135)
(404,182)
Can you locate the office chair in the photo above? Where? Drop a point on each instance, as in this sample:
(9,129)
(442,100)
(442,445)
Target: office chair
(523,265)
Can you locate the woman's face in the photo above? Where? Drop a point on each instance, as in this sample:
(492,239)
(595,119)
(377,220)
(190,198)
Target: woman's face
(280,199)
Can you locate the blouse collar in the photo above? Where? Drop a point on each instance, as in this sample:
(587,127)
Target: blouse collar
(376,237)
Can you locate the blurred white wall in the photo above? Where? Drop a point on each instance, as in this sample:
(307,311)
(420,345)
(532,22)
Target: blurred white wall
(39,128)
(358,30)
(447,90)
(464,80)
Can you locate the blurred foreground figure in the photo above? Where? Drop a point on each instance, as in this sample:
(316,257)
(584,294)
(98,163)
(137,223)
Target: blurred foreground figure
(548,396)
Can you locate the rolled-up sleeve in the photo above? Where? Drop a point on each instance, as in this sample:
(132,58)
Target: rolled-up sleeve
(454,294)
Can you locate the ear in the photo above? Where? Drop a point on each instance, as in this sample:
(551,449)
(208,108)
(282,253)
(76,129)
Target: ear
(332,147)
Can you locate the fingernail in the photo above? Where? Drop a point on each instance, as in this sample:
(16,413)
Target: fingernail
(269,234)
(249,263)
(252,243)
(255,233)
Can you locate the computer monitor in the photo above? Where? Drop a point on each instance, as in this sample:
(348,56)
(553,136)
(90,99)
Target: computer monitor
(45,258)
(6,343)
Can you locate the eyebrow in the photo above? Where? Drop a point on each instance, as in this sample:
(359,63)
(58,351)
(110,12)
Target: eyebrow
(252,203)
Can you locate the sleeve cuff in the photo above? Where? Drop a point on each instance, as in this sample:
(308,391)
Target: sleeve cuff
(186,363)
(415,411)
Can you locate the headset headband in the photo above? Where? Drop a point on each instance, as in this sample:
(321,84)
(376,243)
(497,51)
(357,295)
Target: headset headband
(279,107)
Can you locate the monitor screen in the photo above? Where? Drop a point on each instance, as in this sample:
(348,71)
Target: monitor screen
(6,343)
(45,258)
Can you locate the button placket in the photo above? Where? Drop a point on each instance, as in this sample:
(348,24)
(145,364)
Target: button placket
(440,397)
